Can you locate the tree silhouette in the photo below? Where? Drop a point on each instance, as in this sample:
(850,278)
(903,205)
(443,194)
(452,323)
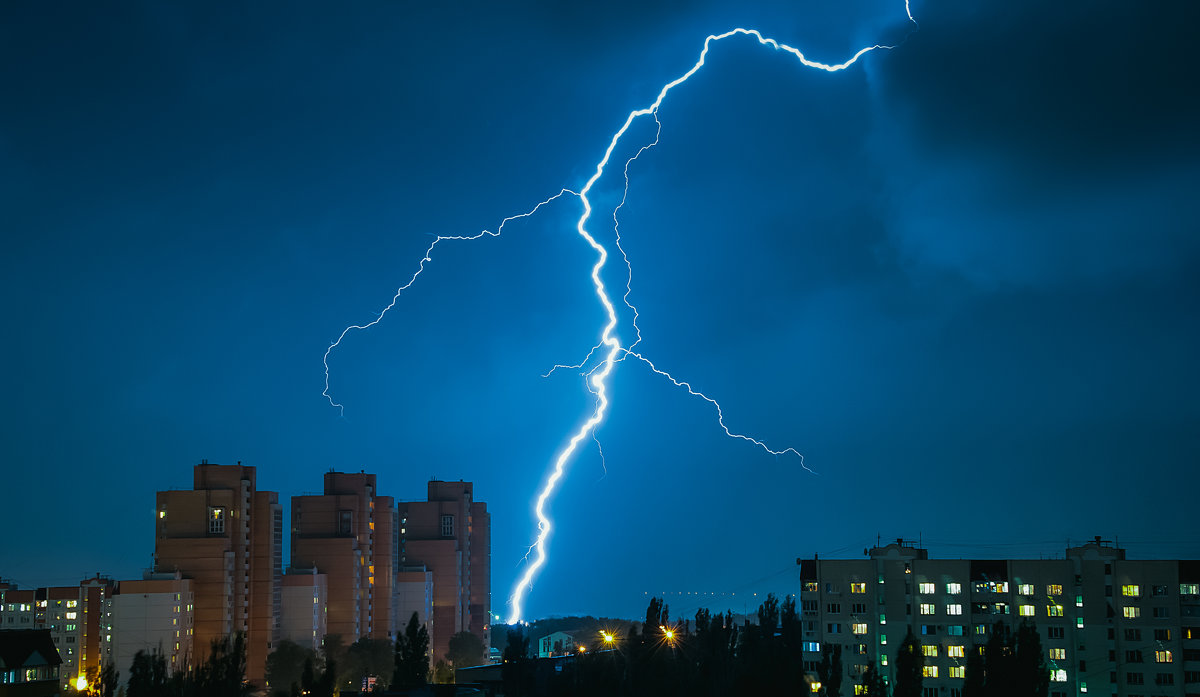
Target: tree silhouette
(909,662)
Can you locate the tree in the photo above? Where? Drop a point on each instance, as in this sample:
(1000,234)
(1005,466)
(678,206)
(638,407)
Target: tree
(1031,674)
(411,657)
(223,673)
(873,683)
(466,649)
(909,662)
(147,675)
(286,665)
(830,671)
(517,670)
(367,657)
(973,685)
(999,662)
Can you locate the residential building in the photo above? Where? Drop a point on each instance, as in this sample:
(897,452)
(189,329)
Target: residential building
(154,614)
(73,616)
(414,594)
(304,609)
(450,535)
(348,534)
(1109,625)
(226,537)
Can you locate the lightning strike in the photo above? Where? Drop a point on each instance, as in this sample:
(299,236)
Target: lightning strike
(609,345)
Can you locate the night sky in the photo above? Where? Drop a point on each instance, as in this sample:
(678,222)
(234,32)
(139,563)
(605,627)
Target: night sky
(962,277)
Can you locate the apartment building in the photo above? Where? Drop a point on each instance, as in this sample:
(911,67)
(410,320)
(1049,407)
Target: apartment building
(74,617)
(1109,625)
(154,614)
(348,534)
(450,536)
(226,537)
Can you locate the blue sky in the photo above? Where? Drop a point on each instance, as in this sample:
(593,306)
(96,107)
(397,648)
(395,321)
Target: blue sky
(960,277)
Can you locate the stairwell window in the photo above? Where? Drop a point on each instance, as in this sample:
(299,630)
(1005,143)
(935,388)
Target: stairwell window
(216,521)
(447,526)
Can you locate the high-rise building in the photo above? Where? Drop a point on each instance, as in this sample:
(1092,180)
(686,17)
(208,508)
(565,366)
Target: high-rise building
(348,534)
(450,534)
(1109,625)
(225,536)
(303,614)
(152,614)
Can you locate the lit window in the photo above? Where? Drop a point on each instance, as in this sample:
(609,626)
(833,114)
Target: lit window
(70,603)
(1082,686)
(1025,589)
(813,646)
(1054,610)
(958,672)
(860,689)
(1054,589)
(1079,623)
(955,652)
(1079,601)
(1163,657)
(1058,654)
(811,586)
(72,615)
(927,608)
(981,629)
(954,630)
(814,686)
(858,588)
(926,588)
(930,650)
(929,671)
(1059,675)
(954,609)
(162,513)
(1131,612)
(216,521)
(883,659)
(860,628)
(883,639)
(1189,589)
(1025,611)
(954,588)
(1131,591)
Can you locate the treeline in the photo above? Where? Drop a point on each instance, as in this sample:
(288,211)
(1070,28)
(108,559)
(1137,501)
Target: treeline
(713,655)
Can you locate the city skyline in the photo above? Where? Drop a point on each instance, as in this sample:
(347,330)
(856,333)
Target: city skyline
(956,276)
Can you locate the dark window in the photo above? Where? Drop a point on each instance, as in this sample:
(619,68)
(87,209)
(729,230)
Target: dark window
(1160,590)
(1133,657)
(1133,635)
(447,526)
(859,608)
(833,608)
(1162,635)
(1134,679)
(1054,632)
(1164,679)
(1161,612)
(345,522)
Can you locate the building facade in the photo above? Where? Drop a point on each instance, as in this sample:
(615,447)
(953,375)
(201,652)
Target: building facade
(154,614)
(1109,625)
(450,535)
(74,617)
(303,614)
(348,534)
(226,537)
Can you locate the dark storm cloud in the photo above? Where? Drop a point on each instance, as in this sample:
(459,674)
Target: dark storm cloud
(1032,143)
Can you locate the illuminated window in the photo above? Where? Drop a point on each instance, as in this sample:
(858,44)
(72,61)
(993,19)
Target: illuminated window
(954,609)
(1163,657)
(1059,675)
(860,689)
(1054,610)
(1079,623)
(1131,591)
(929,671)
(1025,610)
(1054,589)
(1131,612)
(930,650)
(925,588)
(70,603)
(927,608)
(883,639)
(813,646)
(860,628)
(814,686)
(883,659)
(954,630)
(216,521)
(955,652)
(981,629)
(1189,589)
(958,672)
(811,586)
(447,526)
(72,615)
(162,513)
(954,588)
(1025,589)
(1058,654)
(1079,601)
(858,588)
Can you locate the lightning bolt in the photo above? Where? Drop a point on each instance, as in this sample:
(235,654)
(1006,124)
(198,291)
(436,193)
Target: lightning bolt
(596,378)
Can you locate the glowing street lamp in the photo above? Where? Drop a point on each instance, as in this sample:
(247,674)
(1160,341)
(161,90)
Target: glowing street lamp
(81,683)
